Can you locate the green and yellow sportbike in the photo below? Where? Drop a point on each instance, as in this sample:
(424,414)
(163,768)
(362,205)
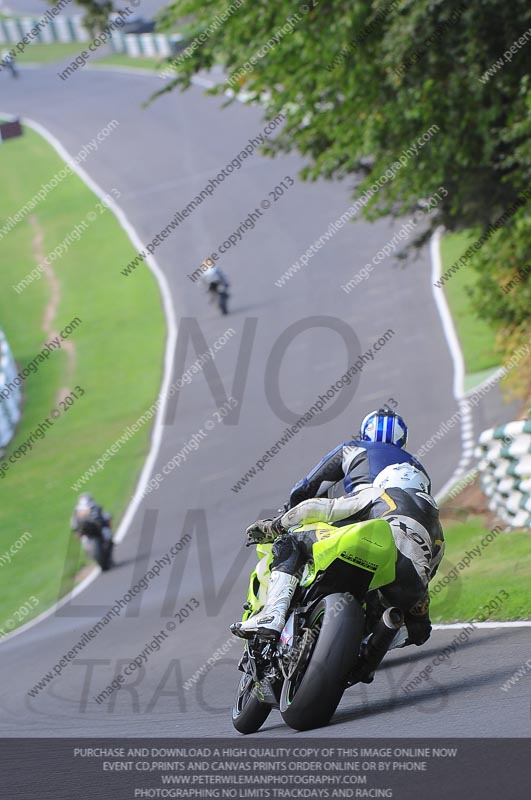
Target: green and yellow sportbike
(331,640)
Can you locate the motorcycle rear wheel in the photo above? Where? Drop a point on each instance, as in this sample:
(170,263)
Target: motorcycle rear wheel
(311,693)
(223,298)
(103,554)
(248,712)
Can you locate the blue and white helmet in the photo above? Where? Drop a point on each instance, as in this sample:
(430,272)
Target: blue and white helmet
(384,426)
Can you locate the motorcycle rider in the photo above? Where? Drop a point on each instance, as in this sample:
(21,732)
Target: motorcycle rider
(399,494)
(215,280)
(382,437)
(8,60)
(88,511)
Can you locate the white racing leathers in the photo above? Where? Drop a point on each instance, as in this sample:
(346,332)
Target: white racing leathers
(414,519)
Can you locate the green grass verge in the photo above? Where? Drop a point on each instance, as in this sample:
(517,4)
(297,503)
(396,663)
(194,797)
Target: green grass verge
(118,362)
(46,53)
(476,378)
(476,337)
(503,566)
(122,60)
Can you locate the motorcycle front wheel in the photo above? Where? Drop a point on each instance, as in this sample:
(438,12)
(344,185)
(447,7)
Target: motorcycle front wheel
(248,712)
(328,650)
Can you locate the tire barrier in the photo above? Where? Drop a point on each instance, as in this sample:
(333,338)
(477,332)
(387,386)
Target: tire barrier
(60,29)
(10,394)
(70,29)
(504,455)
(155,45)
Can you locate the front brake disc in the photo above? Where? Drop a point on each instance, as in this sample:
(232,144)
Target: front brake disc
(297,655)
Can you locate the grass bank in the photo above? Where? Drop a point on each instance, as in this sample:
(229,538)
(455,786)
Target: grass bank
(47,53)
(482,562)
(115,354)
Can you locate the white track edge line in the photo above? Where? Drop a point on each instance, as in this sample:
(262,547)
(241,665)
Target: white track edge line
(517,623)
(450,334)
(171,337)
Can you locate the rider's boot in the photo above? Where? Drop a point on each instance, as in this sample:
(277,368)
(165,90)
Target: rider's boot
(418,622)
(378,644)
(271,619)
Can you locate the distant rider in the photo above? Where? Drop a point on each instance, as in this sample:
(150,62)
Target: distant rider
(8,60)
(399,494)
(215,281)
(89,515)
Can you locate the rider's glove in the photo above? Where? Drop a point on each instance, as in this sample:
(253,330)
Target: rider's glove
(263,531)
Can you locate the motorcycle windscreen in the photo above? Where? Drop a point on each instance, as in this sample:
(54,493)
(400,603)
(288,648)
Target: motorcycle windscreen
(368,545)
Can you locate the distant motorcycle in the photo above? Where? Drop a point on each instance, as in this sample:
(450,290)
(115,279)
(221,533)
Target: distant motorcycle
(335,633)
(95,544)
(216,284)
(7,60)
(219,292)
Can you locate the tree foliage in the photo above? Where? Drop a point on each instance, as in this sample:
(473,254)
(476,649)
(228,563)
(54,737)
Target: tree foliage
(96,16)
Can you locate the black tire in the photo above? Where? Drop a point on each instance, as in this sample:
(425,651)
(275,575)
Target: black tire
(248,712)
(107,560)
(103,554)
(311,695)
(223,299)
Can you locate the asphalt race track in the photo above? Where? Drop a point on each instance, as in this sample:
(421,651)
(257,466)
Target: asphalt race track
(159,159)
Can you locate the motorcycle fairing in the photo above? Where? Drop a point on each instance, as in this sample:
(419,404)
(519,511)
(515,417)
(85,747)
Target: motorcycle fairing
(259,580)
(368,545)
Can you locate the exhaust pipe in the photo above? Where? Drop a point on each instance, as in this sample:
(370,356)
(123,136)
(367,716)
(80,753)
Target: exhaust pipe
(378,645)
